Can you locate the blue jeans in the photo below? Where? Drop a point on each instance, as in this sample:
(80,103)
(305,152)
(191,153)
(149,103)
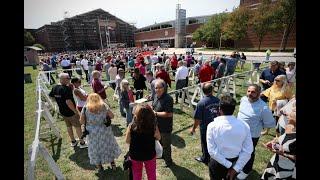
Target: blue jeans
(129,115)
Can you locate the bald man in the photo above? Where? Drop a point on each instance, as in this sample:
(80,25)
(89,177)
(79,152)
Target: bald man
(62,93)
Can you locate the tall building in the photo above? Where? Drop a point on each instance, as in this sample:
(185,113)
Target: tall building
(92,30)
(180,27)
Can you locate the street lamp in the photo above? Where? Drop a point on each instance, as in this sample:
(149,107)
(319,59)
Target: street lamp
(220,40)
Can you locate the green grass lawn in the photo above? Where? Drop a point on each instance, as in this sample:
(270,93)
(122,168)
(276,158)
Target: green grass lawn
(74,163)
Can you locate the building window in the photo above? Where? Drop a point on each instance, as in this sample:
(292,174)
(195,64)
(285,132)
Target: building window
(193,21)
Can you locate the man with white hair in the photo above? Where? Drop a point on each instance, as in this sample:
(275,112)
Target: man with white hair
(163,109)
(62,93)
(197,67)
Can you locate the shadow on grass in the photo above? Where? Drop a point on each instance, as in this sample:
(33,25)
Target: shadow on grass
(183,173)
(180,130)
(108,173)
(117,130)
(81,158)
(253,175)
(177,141)
(54,141)
(178,111)
(56,154)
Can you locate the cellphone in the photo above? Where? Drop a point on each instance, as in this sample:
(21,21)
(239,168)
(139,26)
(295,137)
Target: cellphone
(276,146)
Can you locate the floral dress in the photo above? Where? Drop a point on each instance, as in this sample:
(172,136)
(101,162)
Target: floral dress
(102,145)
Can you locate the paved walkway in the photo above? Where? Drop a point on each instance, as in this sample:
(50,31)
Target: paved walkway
(256,56)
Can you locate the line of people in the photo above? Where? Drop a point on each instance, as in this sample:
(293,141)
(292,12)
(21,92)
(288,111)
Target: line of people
(225,157)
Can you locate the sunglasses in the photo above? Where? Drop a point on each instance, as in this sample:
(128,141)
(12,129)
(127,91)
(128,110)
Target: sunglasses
(277,80)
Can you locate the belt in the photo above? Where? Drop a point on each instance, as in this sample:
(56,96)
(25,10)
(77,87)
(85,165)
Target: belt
(233,160)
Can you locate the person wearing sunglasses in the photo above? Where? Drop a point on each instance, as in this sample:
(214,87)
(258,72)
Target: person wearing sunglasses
(268,75)
(278,91)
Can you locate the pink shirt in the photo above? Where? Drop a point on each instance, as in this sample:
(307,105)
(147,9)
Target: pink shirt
(142,69)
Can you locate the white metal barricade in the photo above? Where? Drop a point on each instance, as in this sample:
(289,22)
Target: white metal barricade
(36,146)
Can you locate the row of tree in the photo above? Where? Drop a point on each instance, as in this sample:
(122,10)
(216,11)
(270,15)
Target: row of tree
(269,17)
(29,40)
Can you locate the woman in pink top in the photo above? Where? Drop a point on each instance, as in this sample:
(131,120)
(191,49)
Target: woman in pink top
(142,68)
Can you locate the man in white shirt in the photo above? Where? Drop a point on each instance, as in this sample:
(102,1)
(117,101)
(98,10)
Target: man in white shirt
(229,142)
(181,78)
(65,64)
(84,64)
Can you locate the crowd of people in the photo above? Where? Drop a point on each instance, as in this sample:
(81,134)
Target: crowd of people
(228,142)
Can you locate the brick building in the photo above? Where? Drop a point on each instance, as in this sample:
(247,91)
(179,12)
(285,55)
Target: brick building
(272,41)
(89,30)
(163,34)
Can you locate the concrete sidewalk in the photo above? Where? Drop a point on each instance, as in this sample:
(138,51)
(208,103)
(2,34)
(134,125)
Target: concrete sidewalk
(226,52)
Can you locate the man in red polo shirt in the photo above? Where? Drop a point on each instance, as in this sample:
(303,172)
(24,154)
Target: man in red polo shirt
(162,74)
(206,72)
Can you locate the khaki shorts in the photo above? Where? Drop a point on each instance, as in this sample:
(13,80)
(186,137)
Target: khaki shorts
(72,121)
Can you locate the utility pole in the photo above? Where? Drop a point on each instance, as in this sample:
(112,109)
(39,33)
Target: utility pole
(100,34)
(220,40)
(280,49)
(107,33)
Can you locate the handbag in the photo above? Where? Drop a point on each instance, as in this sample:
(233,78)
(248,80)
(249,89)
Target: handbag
(107,120)
(159,149)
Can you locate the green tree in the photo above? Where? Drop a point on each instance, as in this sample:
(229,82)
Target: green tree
(217,22)
(236,25)
(264,20)
(40,46)
(210,32)
(198,35)
(286,13)
(28,38)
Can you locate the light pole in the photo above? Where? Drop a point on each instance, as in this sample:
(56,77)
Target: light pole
(220,40)
(100,33)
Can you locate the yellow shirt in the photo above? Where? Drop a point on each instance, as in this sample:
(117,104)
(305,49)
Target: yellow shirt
(274,93)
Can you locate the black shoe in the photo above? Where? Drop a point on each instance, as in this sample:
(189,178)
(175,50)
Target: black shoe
(169,164)
(199,159)
(100,170)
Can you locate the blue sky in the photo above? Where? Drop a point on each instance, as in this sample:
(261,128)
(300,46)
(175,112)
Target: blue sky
(141,12)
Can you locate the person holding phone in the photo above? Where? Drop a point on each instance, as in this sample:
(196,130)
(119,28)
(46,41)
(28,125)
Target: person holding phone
(282,164)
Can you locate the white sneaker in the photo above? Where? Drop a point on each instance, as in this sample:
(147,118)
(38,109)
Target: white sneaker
(242,175)
(73,144)
(82,146)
